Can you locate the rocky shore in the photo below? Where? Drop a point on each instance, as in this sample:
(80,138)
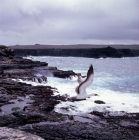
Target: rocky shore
(31,108)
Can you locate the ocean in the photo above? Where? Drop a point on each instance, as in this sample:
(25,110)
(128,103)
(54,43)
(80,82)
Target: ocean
(116,82)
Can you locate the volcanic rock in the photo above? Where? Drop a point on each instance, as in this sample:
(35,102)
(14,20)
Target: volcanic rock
(39,116)
(12,134)
(1,70)
(78,52)
(99,102)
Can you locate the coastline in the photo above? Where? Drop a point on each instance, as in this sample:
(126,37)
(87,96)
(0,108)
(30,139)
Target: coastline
(38,117)
(90,51)
(79,46)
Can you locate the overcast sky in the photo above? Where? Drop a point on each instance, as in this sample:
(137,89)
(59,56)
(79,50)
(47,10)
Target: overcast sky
(69,22)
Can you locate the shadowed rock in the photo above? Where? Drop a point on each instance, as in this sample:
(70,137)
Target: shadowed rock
(99,102)
(1,70)
(78,52)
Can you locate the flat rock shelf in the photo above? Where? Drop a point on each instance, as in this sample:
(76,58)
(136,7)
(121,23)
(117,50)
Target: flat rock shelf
(13,134)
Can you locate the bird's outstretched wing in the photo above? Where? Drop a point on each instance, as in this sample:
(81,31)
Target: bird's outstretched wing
(81,89)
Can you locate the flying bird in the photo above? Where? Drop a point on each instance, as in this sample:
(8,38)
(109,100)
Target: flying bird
(81,88)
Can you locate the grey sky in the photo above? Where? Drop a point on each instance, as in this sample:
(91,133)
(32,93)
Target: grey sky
(69,22)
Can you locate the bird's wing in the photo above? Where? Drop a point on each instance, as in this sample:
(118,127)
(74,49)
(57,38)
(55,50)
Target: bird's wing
(81,89)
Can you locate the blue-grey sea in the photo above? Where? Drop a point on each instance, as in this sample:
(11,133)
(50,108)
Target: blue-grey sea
(116,81)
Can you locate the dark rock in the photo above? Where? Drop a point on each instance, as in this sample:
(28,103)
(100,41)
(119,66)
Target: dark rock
(42,79)
(5,51)
(8,61)
(16,67)
(27,117)
(73,99)
(39,79)
(15,108)
(88,52)
(4,98)
(53,71)
(100,114)
(108,52)
(12,134)
(99,102)
(20,117)
(126,53)
(1,70)
(63,74)
(2,47)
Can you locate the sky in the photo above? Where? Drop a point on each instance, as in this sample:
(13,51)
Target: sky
(61,22)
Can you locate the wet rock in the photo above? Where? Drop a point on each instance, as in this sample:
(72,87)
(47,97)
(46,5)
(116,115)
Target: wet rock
(100,114)
(4,98)
(12,134)
(96,95)
(15,108)
(11,66)
(26,117)
(99,102)
(19,118)
(73,99)
(38,79)
(43,101)
(63,74)
(53,71)
(79,130)
(42,79)
(8,61)
(1,70)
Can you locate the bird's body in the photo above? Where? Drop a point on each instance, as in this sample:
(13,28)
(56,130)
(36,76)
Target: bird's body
(79,80)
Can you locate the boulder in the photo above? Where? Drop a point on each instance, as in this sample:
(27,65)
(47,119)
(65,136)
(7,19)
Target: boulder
(5,51)
(99,102)
(12,134)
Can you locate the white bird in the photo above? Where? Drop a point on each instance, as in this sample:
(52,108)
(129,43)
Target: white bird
(79,80)
(81,88)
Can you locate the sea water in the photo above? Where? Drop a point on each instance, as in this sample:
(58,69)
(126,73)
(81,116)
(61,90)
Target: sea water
(116,82)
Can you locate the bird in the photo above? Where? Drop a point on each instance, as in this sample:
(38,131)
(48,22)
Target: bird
(81,88)
(79,80)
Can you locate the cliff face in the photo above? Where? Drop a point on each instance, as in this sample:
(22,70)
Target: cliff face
(89,52)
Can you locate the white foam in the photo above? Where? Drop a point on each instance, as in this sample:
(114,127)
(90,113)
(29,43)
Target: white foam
(115,81)
(30,82)
(115,101)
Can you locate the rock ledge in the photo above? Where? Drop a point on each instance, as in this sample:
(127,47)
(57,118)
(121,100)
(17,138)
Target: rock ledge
(13,134)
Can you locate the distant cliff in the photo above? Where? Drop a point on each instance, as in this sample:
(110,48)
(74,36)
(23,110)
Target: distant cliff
(88,52)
